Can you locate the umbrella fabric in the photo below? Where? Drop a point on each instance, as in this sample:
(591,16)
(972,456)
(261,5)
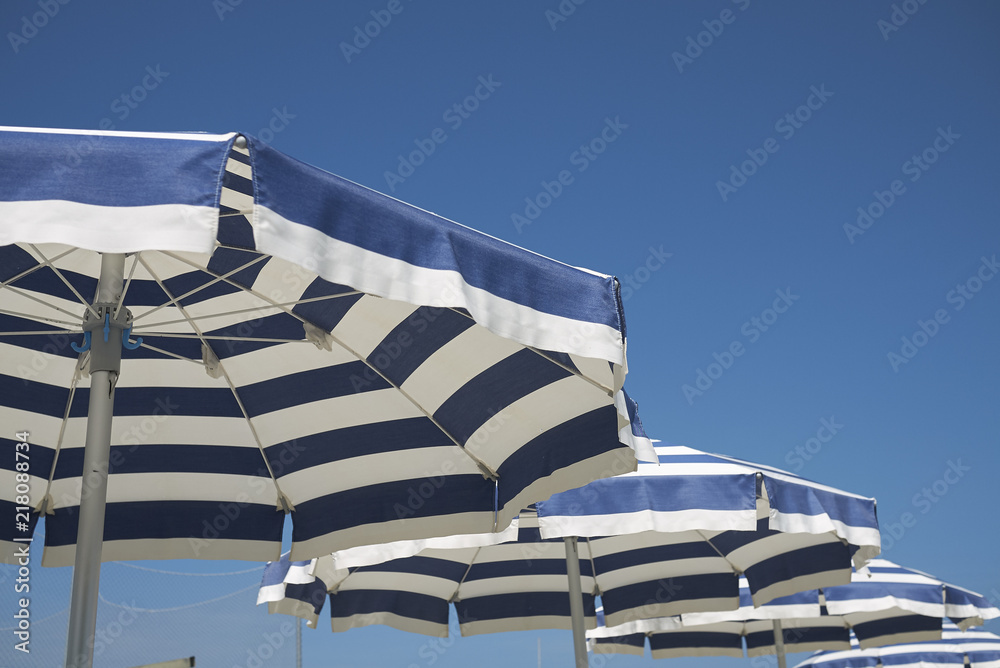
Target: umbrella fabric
(884,604)
(514,583)
(640,573)
(672,538)
(307,346)
(974,647)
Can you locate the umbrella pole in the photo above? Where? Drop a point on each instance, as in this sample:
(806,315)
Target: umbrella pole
(576,601)
(779,643)
(94,493)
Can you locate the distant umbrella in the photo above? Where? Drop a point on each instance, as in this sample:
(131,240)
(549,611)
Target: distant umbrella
(884,604)
(974,648)
(730,516)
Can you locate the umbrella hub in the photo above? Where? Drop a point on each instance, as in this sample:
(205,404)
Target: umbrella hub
(105,325)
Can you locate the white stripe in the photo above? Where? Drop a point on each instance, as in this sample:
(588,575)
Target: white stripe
(186,136)
(211,487)
(339,624)
(170,548)
(377,554)
(648,520)
(294,608)
(110,229)
(534,623)
(359,472)
(454,364)
(239,168)
(416,583)
(337,413)
(520,584)
(381,275)
(533,415)
(405,528)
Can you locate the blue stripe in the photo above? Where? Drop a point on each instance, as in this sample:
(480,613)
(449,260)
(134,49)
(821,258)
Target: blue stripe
(630,640)
(530,565)
(226,460)
(146,401)
(9,530)
(696,549)
(34,397)
(521,604)
(671,590)
(358,441)
(200,520)
(504,383)
(344,604)
(392,501)
(328,313)
(418,565)
(903,623)
(695,640)
(110,170)
(415,339)
(587,435)
(225,260)
(307,386)
(799,636)
(348,212)
(311,592)
(803,498)
(13,261)
(829,558)
(655,492)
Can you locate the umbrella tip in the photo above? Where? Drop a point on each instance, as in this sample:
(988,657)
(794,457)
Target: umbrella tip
(241,141)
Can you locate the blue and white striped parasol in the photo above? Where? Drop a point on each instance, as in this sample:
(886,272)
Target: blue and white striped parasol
(974,648)
(731,517)
(270,338)
(884,604)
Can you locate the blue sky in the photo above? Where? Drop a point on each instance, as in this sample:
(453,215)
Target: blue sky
(709,154)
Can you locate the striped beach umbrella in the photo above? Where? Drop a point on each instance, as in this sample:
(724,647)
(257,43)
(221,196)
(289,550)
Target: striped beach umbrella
(272,339)
(884,604)
(973,648)
(673,536)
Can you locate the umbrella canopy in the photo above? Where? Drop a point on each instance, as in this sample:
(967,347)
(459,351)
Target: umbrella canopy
(270,337)
(524,584)
(884,604)
(974,648)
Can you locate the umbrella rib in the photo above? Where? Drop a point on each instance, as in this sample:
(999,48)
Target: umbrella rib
(213,337)
(483,467)
(28,295)
(216,279)
(593,566)
(170,354)
(41,318)
(121,299)
(59,440)
(62,278)
(256,308)
(454,595)
(37,267)
(38,332)
(232,388)
(708,540)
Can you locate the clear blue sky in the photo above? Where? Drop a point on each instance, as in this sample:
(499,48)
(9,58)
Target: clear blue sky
(833,101)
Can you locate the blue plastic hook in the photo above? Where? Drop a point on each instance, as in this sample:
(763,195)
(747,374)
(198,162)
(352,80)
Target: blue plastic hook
(107,325)
(126,343)
(86,344)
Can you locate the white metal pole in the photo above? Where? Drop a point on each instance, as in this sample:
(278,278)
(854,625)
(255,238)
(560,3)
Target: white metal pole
(779,643)
(576,601)
(90,533)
